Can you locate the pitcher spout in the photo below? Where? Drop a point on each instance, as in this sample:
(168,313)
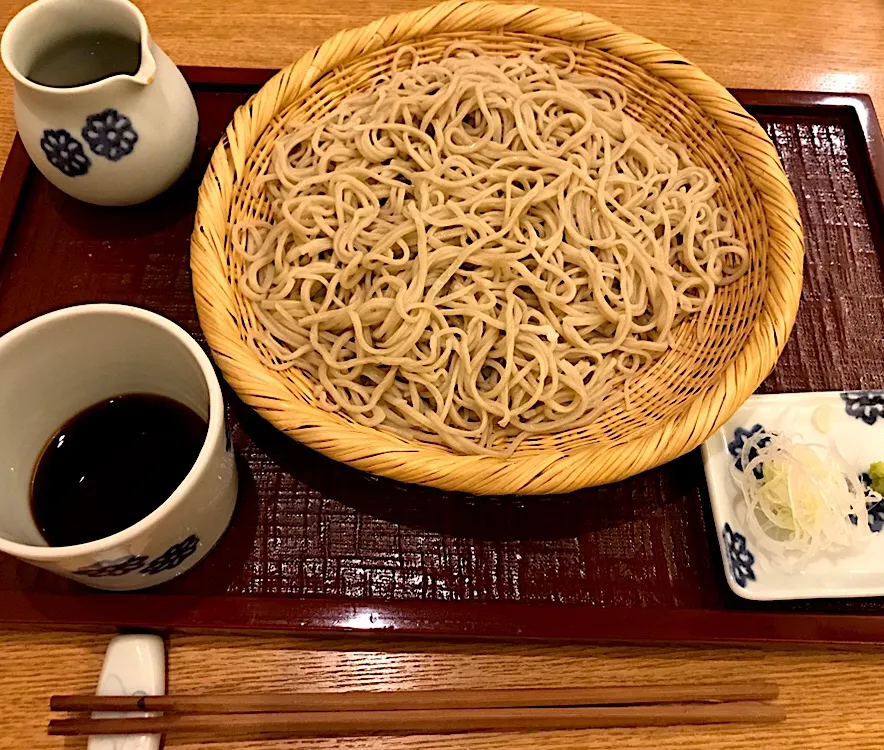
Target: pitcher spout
(148,68)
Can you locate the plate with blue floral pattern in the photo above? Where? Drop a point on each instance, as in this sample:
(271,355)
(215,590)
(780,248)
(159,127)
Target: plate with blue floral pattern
(851,422)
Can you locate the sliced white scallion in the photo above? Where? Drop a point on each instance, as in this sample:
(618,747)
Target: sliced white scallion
(801,499)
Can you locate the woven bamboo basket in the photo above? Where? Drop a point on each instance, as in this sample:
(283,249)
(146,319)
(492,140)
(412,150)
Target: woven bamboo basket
(675,403)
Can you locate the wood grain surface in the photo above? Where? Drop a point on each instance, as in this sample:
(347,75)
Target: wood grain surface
(832,697)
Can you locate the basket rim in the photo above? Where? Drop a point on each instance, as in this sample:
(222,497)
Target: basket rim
(549,472)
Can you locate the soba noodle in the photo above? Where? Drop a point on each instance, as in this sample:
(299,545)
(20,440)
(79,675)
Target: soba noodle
(479,250)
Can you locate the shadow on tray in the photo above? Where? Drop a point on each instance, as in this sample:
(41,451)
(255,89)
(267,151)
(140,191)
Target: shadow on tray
(501,518)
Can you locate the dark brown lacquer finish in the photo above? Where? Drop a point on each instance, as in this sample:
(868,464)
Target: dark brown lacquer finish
(315,545)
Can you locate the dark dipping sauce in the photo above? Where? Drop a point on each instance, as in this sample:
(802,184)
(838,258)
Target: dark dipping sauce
(112,465)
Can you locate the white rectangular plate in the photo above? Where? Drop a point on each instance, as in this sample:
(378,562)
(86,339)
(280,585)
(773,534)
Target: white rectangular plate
(854,423)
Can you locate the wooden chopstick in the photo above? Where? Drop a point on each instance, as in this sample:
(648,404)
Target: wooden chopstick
(421,699)
(422,721)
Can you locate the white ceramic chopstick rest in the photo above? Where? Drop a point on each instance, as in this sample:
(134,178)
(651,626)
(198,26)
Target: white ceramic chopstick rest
(133,665)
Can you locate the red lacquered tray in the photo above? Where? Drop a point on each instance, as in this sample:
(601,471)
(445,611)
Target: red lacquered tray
(315,545)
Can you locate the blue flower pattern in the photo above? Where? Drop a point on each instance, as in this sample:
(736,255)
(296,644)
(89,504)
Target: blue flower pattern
(875,505)
(65,152)
(119,567)
(876,515)
(172,557)
(169,560)
(740,559)
(735,447)
(110,134)
(867,406)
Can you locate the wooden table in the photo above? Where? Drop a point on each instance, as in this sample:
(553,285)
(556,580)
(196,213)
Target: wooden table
(833,698)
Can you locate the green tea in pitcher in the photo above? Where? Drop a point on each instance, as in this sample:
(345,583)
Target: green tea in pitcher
(85,58)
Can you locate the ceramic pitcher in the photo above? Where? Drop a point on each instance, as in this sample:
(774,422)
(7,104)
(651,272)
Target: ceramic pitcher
(118,140)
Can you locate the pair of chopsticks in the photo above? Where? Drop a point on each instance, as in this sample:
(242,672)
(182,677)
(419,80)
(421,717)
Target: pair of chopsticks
(422,712)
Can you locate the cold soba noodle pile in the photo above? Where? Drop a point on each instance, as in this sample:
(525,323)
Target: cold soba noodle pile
(479,250)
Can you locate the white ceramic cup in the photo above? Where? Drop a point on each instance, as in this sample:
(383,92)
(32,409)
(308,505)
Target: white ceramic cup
(52,368)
